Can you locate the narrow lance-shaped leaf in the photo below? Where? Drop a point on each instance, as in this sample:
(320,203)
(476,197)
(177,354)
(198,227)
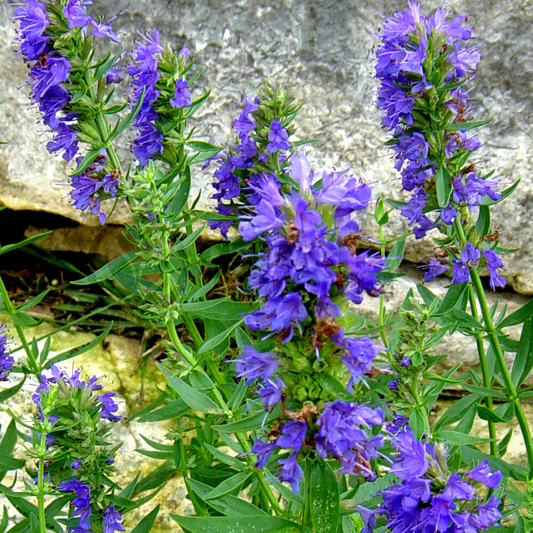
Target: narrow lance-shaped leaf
(235,524)
(324,498)
(523,362)
(74,352)
(108,270)
(193,398)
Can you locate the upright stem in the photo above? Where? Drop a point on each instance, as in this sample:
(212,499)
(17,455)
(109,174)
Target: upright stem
(40,481)
(487,382)
(218,378)
(382,310)
(509,385)
(101,122)
(498,352)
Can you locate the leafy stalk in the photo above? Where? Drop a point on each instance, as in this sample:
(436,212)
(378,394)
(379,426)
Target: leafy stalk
(498,351)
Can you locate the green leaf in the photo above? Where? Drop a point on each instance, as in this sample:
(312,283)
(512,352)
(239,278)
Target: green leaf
(173,410)
(21,244)
(74,352)
(483,220)
(249,423)
(455,438)
(22,319)
(230,505)
(90,156)
(182,194)
(5,521)
(10,463)
(225,458)
(108,270)
(456,411)
(324,498)
(483,391)
(221,309)
(519,316)
(8,393)
(452,298)
(235,524)
(395,257)
(203,147)
(7,446)
(242,338)
(213,342)
(104,66)
(367,491)
(443,182)
(193,398)
(146,524)
(426,294)
(234,483)
(460,126)
(523,362)
(504,443)
(190,239)
(125,123)
(204,289)
(486,414)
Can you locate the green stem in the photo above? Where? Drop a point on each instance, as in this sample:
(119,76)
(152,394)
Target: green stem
(498,352)
(419,404)
(189,357)
(508,382)
(11,311)
(382,309)
(101,123)
(487,382)
(40,480)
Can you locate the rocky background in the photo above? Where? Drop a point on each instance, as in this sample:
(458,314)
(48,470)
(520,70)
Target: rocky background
(324,52)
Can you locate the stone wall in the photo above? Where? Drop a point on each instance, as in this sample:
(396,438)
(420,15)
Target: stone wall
(324,52)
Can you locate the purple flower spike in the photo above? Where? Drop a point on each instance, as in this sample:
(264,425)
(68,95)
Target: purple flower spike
(278,138)
(76,13)
(293,435)
(108,407)
(112,520)
(291,471)
(182,95)
(483,473)
(256,365)
(493,262)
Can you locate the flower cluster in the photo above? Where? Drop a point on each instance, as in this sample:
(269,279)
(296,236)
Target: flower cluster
(6,360)
(71,413)
(307,275)
(50,68)
(310,266)
(423,66)
(94,184)
(429,498)
(146,73)
(48,72)
(263,138)
(340,432)
(55,40)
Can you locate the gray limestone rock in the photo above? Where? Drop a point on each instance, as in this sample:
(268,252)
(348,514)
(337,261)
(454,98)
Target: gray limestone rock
(324,52)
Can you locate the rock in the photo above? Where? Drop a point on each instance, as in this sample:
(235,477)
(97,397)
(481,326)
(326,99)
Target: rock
(324,52)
